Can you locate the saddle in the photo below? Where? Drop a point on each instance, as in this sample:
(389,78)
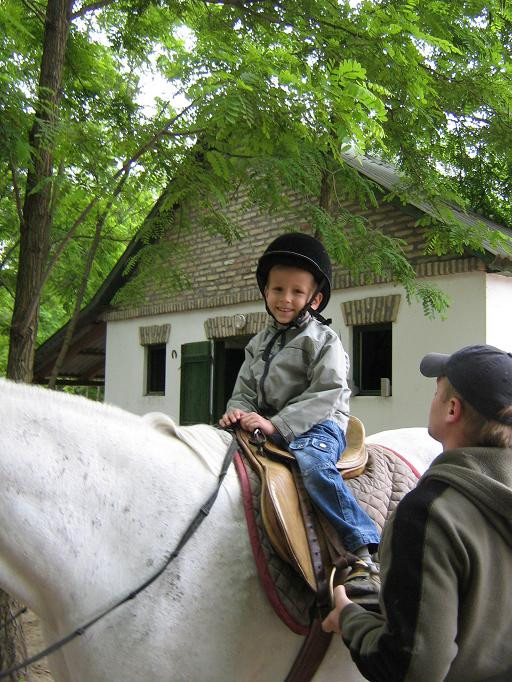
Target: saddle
(379,478)
(281,506)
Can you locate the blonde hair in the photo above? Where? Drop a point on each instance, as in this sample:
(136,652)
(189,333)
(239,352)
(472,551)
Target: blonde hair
(481,430)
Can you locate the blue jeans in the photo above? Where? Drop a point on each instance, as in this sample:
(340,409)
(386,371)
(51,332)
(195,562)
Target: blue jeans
(317,452)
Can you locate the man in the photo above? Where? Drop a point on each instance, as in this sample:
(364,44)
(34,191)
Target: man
(446,555)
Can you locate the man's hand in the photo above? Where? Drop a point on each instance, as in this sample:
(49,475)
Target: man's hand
(252,420)
(332,622)
(231,418)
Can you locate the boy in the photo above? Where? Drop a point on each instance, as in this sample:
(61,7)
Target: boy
(293,387)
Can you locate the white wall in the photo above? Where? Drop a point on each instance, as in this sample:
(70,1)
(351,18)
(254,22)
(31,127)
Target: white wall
(124,364)
(414,335)
(499,307)
(478,314)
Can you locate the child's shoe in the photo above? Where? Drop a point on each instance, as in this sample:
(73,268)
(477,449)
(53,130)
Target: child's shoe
(362,585)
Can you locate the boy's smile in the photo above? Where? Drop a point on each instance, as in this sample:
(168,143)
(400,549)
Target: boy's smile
(288,290)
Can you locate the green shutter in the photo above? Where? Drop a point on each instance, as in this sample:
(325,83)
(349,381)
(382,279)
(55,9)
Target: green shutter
(219,380)
(196,363)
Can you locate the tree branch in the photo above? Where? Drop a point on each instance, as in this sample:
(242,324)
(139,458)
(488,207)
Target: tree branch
(32,7)
(9,291)
(17,194)
(83,237)
(8,254)
(80,296)
(57,254)
(184,133)
(90,8)
(250,11)
(231,155)
(122,173)
(163,131)
(100,224)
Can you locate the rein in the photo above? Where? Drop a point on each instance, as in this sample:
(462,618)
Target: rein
(191,529)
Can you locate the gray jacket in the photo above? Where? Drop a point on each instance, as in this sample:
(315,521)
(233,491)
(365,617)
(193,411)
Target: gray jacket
(295,377)
(446,564)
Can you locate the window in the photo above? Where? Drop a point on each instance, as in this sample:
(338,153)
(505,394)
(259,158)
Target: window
(155,369)
(372,358)
(154,340)
(371,320)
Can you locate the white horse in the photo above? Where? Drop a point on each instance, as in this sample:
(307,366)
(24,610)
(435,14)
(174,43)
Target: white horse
(92,501)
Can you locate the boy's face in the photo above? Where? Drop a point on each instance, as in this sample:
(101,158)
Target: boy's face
(288,290)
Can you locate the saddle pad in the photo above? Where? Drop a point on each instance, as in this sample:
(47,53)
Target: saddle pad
(289,594)
(386,479)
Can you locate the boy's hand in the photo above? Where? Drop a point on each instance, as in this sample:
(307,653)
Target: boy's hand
(252,420)
(231,418)
(332,622)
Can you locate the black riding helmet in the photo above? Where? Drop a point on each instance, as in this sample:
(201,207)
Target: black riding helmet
(298,250)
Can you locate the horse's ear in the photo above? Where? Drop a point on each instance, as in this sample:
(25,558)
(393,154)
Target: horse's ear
(161,422)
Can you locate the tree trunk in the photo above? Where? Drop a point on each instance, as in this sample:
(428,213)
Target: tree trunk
(35,223)
(34,246)
(70,330)
(100,224)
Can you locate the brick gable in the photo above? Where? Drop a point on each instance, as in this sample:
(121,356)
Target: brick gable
(221,274)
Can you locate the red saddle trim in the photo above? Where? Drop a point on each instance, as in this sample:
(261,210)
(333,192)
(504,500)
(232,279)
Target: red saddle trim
(259,558)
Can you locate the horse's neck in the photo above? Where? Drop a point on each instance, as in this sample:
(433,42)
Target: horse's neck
(87,496)
(413,443)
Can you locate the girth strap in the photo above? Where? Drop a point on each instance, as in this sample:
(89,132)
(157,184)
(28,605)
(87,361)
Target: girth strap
(311,654)
(317,641)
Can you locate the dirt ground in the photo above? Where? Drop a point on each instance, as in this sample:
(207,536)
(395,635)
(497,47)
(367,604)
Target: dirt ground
(34,643)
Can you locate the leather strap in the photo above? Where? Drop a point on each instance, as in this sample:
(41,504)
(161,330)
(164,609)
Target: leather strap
(311,654)
(316,643)
(319,553)
(189,531)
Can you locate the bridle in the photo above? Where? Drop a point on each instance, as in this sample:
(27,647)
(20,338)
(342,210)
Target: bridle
(190,530)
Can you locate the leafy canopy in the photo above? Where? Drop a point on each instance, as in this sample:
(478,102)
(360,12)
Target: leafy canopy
(267,91)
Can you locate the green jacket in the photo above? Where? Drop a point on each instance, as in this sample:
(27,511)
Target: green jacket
(446,569)
(296,377)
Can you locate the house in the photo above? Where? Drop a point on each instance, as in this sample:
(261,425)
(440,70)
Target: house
(179,353)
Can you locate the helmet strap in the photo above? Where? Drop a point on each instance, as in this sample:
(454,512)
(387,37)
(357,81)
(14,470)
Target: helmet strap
(321,318)
(307,308)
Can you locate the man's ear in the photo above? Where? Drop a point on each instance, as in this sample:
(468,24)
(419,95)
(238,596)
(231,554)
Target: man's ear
(316,301)
(453,410)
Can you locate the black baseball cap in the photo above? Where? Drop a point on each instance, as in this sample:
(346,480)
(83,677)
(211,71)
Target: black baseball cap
(482,375)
